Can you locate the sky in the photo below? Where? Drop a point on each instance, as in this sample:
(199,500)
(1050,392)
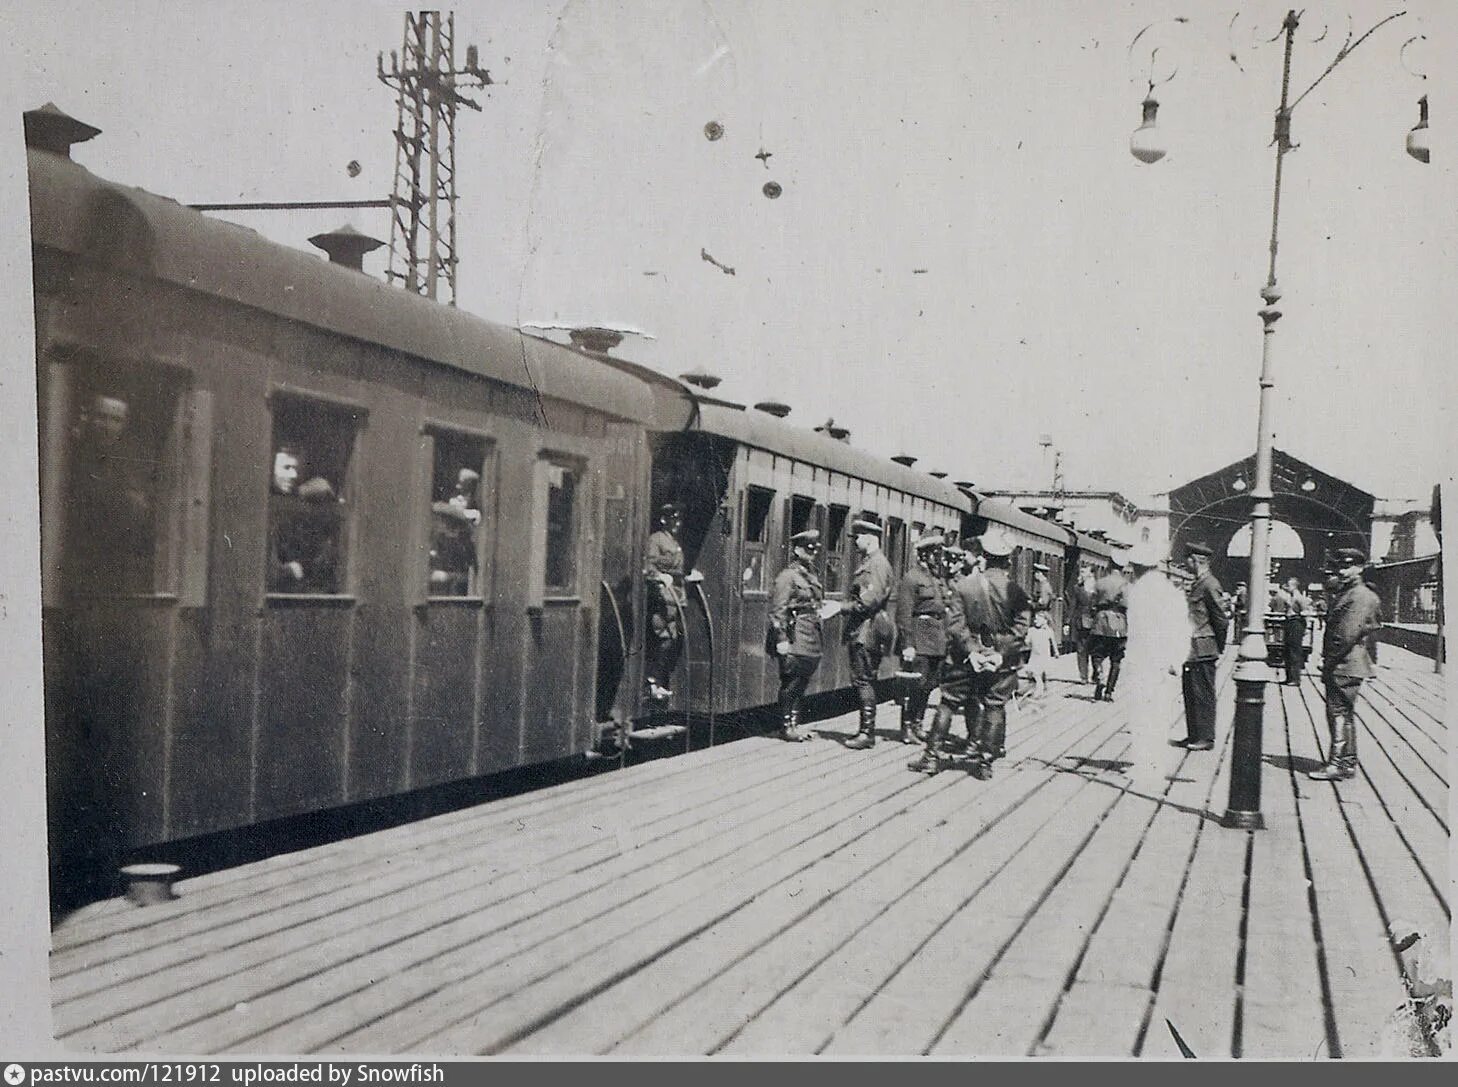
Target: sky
(965,256)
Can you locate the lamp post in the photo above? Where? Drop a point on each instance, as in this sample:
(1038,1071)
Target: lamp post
(1243,809)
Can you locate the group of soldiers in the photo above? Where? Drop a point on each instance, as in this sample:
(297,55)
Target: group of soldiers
(960,622)
(1111,614)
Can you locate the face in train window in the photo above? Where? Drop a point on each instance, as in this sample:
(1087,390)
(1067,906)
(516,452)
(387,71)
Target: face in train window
(124,487)
(456,505)
(756,526)
(308,492)
(561,545)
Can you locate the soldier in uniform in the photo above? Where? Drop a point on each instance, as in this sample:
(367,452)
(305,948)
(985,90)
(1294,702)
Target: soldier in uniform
(666,599)
(1208,622)
(1110,629)
(794,619)
(1354,615)
(1082,620)
(1042,589)
(869,626)
(987,628)
(921,622)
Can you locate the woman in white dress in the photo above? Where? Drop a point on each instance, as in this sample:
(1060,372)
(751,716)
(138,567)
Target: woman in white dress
(1159,641)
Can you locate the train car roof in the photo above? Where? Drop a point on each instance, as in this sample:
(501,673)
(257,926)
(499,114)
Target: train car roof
(764,431)
(1005,513)
(74,211)
(1093,545)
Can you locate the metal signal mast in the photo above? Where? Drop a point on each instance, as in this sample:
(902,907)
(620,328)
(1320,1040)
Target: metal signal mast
(427,83)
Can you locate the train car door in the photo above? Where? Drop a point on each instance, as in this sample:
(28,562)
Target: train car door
(563,572)
(310,608)
(452,637)
(125,472)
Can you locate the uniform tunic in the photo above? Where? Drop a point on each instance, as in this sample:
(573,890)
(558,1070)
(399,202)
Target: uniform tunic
(794,614)
(1355,613)
(869,627)
(1205,604)
(868,611)
(794,617)
(989,610)
(921,622)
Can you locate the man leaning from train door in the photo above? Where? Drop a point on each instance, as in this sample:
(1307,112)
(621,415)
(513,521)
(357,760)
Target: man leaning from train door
(869,626)
(794,629)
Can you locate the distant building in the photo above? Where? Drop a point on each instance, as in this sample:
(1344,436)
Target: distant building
(1402,529)
(1107,515)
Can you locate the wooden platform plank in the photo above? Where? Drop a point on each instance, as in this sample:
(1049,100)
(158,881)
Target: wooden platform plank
(241,978)
(1096,1020)
(341,860)
(482,977)
(531,1009)
(910,1009)
(588,835)
(802,1018)
(1381,795)
(748,980)
(1362,974)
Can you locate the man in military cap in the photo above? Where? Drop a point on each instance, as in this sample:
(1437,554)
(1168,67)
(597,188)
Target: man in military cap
(1042,589)
(1208,623)
(987,628)
(794,619)
(921,622)
(664,573)
(1354,615)
(1082,620)
(1110,630)
(869,626)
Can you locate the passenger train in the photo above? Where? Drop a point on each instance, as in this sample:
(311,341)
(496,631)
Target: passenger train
(310,540)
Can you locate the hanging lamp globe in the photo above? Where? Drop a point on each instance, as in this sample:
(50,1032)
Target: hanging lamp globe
(1147,143)
(1417,138)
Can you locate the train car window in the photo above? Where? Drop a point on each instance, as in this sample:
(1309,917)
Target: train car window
(309,492)
(126,494)
(560,558)
(458,507)
(800,517)
(757,502)
(835,548)
(896,544)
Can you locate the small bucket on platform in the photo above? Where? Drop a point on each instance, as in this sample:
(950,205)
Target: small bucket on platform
(149,884)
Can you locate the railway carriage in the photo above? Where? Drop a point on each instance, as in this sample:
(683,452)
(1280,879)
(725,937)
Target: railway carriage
(747,481)
(225,645)
(310,540)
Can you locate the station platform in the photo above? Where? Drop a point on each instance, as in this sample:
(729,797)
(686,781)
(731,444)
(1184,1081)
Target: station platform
(767,899)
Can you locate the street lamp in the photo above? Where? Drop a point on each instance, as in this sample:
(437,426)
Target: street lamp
(1243,810)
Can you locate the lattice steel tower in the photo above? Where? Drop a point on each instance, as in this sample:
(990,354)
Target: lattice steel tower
(423,205)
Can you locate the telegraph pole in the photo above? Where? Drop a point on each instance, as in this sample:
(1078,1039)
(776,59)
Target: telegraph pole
(423,205)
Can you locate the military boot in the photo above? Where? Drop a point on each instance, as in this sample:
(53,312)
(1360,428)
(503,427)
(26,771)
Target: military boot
(792,730)
(930,761)
(990,739)
(911,724)
(1113,681)
(1348,762)
(1334,769)
(866,737)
